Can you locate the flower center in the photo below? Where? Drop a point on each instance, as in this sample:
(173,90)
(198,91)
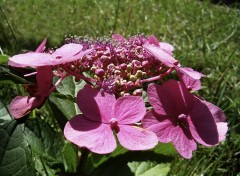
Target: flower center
(114,124)
(182,117)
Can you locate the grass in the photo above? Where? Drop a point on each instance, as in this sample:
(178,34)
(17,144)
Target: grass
(206,37)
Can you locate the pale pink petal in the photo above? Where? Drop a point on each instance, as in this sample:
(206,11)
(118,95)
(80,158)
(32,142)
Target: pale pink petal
(222,130)
(183,142)
(161,100)
(189,72)
(30,59)
(202,124)
(68,50)
(136,138)
(96,105)
(129,109)
(41,47)
(21,105)
(118,37)
(95,136)
(57,59)
(160,125)
(160,55)
(153,40)
(167,47)
(44,80)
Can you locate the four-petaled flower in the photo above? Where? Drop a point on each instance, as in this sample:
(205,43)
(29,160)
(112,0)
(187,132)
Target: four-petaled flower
(182,118)
(103,114)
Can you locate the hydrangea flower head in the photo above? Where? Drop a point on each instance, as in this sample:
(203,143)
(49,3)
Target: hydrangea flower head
(103,114)
(182,118)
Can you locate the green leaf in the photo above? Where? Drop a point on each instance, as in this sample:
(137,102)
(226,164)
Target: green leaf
(4,114)
(148,168)
(65,100)
(70,159)
(12,75)
(131,163)
(46,146)
(3,59)
(15,153)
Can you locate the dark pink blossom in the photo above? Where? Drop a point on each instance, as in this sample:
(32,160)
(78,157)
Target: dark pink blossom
(103,114)
(21,105)
(182,118)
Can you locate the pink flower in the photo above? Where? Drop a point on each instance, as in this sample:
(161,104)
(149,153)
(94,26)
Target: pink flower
(103,114)
(182,118)
(65,54)
(21,105)
(163,53)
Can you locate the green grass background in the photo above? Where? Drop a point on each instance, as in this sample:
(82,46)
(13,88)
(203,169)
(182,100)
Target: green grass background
(206,37)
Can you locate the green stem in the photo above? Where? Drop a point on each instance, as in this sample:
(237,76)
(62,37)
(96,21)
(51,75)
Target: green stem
(83,159)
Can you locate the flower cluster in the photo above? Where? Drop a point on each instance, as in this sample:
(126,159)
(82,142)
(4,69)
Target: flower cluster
(119,70)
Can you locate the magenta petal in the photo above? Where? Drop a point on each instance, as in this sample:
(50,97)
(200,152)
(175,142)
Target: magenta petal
(190,83)
(118,37)
(30,59)
(95,105)
(136,138)
(44,80)
(182,97)
(202,124)
(41,47)
(68,50)
(21,105)
(158,124)
(95,136)
(161,55)
(153,40)
(129,109)
(161,99)
(183,142)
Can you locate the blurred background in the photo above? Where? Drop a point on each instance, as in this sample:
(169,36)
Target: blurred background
(205,34)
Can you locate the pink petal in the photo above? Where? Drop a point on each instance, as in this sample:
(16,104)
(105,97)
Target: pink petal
(216,112)
(136,138)
(189,72)
(41,47)
(118,37)
(129,109)
(68,50)
(153,40)
(30,59)
(172,98)
(190,83)
(222,130)
(161,99)
(22,105)
(182,97)
(167,47)
(44,80)
(161,55)
(183,142)
(95,136)
(202,124)
(158,124)
(96,105)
